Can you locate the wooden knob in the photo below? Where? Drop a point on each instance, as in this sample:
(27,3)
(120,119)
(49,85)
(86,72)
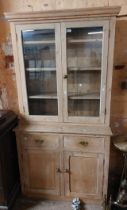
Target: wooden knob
(58,170)
(65,76)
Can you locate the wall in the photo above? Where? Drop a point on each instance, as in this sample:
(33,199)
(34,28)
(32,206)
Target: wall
(119,96)
(25,5)
(8,93)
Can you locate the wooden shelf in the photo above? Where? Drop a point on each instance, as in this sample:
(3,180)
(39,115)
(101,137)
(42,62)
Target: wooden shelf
(40,42)
(76,41)
(70,68)
(43,96)
(89,96)
(41,69)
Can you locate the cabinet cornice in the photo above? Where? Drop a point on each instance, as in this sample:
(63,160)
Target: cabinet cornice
(63,14)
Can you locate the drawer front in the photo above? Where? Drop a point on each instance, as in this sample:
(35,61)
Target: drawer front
(41,140)
(84,143)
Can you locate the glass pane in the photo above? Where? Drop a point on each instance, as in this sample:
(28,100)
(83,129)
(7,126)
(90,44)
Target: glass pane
(84,58)
(40,70)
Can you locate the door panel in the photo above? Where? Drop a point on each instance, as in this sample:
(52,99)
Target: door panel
(40,168)
(40,69)
(83,175)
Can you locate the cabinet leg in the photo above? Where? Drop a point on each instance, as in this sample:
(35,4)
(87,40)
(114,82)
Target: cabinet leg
(107,204)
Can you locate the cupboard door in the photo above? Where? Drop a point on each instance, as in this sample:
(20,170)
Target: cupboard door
(83,175)
(40,58)
(41,171)
(84,59)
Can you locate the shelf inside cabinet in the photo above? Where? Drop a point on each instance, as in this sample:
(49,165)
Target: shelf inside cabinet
(41,69)
(88,96)
(43,96)
(71,68)
(40,42)
(76,41)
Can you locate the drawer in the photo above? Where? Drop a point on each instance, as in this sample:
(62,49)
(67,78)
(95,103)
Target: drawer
(41,140)
(84,143)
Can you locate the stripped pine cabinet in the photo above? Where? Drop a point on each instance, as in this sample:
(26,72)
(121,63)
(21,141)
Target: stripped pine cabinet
(63,63)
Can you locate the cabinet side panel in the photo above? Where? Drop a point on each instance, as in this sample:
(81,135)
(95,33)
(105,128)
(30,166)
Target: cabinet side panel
(110,69)
(16,61)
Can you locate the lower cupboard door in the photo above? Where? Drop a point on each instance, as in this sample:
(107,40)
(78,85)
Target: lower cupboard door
(83,175)
(41,171)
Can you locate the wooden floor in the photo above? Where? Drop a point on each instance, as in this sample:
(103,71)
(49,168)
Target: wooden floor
(28,204)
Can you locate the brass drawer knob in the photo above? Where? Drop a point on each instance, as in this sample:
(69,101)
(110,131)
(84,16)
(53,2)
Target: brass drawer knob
(84,143)
(39,141)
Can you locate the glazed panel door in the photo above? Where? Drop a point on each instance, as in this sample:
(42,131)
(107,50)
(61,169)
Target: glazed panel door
(84,61)
(40,57)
